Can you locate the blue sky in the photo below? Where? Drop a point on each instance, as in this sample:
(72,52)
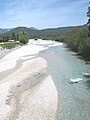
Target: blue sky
(42,13)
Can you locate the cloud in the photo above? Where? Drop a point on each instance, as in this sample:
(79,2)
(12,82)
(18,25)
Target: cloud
(42,13)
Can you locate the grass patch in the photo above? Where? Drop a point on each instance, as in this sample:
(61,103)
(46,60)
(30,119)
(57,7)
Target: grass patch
(9,45)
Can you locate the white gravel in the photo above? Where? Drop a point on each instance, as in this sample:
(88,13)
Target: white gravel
(37,99)
(39,103)
(4,109)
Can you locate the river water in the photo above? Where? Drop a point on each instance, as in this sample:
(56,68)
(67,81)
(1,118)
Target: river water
(73,98)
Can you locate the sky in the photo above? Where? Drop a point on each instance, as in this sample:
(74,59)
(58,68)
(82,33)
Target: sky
(43,13)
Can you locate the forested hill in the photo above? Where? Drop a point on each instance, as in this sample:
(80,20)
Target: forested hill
(2,31)
(45,33)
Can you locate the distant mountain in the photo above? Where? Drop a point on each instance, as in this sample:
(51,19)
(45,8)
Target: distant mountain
(33,28)
(44,33)
(29,32)
(4,30)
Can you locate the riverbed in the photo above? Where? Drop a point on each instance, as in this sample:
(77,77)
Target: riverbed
(35,83)
(27,90)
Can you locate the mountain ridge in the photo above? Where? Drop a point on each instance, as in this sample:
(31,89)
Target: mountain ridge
(33,32)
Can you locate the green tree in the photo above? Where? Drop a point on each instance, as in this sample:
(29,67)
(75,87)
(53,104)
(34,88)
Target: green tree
(17,37)
(79,41)
(5,38)
(23,38)
(13,36)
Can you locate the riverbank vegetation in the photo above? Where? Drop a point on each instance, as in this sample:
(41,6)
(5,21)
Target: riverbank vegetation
(14,40)
(9,45)
(21,37)
(78,40)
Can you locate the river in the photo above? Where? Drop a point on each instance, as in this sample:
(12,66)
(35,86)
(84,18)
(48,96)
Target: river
(73,99)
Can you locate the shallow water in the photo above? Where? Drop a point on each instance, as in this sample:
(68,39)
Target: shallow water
(73,99)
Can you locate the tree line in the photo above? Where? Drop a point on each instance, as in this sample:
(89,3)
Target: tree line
(78,40)
(21,37)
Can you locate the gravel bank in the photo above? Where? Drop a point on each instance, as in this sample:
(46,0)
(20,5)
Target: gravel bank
(39,103)
(32,93)
(28,91)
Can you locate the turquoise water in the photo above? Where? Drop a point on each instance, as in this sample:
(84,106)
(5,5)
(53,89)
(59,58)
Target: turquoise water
(73,99)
